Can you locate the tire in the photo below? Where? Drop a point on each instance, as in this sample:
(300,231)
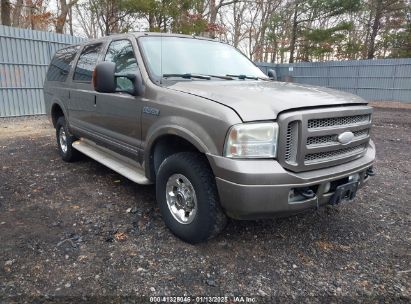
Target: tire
(195,174)
(66,151)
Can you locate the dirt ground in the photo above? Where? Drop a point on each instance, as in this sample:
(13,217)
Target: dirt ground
(79,231)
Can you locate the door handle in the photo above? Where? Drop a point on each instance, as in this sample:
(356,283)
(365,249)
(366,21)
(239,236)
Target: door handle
(95,100)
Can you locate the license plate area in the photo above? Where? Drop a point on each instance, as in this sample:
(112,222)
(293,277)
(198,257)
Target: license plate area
(344,193)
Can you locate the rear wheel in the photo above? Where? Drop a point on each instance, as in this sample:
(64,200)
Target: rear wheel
(65,141)
(188,198)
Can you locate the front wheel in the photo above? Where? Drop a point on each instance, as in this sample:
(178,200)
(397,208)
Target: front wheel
(188,198)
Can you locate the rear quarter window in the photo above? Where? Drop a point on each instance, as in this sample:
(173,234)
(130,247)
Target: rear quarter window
(87,62)
(61,64)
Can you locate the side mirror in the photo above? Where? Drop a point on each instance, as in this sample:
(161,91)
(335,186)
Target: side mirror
(105,79)
(272,74)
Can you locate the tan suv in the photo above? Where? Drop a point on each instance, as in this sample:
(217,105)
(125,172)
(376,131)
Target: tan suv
(217,136)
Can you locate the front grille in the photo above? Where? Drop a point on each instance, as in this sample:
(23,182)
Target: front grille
(309,138)
(333,155)
(338,121)
(292,142)
(361,133)
(332,139)
(321,140)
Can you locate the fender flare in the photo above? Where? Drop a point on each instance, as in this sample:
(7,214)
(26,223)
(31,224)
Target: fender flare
(174,130)
(54,103)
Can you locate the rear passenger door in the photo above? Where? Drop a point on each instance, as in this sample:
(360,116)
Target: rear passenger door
(82,102)
(119,114)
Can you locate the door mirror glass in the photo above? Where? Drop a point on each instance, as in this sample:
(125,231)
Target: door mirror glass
(272,74)
(124,84)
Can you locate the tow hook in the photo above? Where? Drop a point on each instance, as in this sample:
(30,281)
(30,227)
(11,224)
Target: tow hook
(306,192)
(370,171)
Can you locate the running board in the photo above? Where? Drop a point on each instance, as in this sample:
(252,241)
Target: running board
(116,162)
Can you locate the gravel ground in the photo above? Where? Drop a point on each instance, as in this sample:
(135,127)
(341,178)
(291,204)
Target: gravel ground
(69,231)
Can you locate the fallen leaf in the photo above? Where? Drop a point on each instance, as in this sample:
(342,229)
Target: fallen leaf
(120,236)
(82,257)
(327,246)
(364,283)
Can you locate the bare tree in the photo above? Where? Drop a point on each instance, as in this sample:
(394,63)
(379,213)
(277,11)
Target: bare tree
(65,7)
(5,12)
(214,8)
(17,11)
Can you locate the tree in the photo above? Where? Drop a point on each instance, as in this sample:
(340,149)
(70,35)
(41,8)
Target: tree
(65,7)
(5,12)
(213,11)
(179,16)
(308,12)
(17,13)
(378,11)
(324,41)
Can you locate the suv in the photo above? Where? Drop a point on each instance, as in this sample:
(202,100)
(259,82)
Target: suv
(216,135)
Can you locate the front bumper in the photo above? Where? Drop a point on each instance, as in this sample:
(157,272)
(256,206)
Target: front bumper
(253,189)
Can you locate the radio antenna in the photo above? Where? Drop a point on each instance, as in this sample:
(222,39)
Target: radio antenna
(161,57)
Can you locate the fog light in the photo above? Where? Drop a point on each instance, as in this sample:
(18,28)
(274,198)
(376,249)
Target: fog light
(327,187)
(291,195)
(354,178)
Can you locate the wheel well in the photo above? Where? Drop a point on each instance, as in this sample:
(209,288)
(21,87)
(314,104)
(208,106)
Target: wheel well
(166,146)
(56,112)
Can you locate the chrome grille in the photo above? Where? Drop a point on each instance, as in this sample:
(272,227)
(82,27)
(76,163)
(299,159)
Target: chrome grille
(332,139)
(309,138)
(292,141)
(321,140)
(361,133)
(333,155)
(338,121)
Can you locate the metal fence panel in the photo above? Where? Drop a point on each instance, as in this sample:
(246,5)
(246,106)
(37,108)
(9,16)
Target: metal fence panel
(381,79)
(24,57)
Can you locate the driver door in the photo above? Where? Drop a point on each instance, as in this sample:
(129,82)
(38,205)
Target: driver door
(119,114)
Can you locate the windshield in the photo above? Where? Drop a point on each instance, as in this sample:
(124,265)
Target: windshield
(176,55)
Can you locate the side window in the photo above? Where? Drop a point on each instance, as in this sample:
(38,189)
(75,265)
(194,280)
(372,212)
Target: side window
(121,53)
(61,64)
(86,63)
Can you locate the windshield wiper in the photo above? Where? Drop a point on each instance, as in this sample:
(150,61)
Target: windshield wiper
(227,77)
(241,76)
(208,77)
(188,76)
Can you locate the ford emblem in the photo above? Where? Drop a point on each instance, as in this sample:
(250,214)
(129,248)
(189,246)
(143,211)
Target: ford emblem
(345,138)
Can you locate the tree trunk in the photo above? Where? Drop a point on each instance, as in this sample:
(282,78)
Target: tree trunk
(294,34)
(32,11)
(5,12)
(151,21)
(62,17)
(17,13)
(213,18)
(374,30)
(71,21)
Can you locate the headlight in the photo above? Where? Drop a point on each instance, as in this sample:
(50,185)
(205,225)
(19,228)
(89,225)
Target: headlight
(252,140)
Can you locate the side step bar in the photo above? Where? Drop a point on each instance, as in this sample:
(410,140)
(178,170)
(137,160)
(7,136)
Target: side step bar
(116,162)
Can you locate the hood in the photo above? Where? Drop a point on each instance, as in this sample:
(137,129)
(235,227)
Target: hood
(264,100)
